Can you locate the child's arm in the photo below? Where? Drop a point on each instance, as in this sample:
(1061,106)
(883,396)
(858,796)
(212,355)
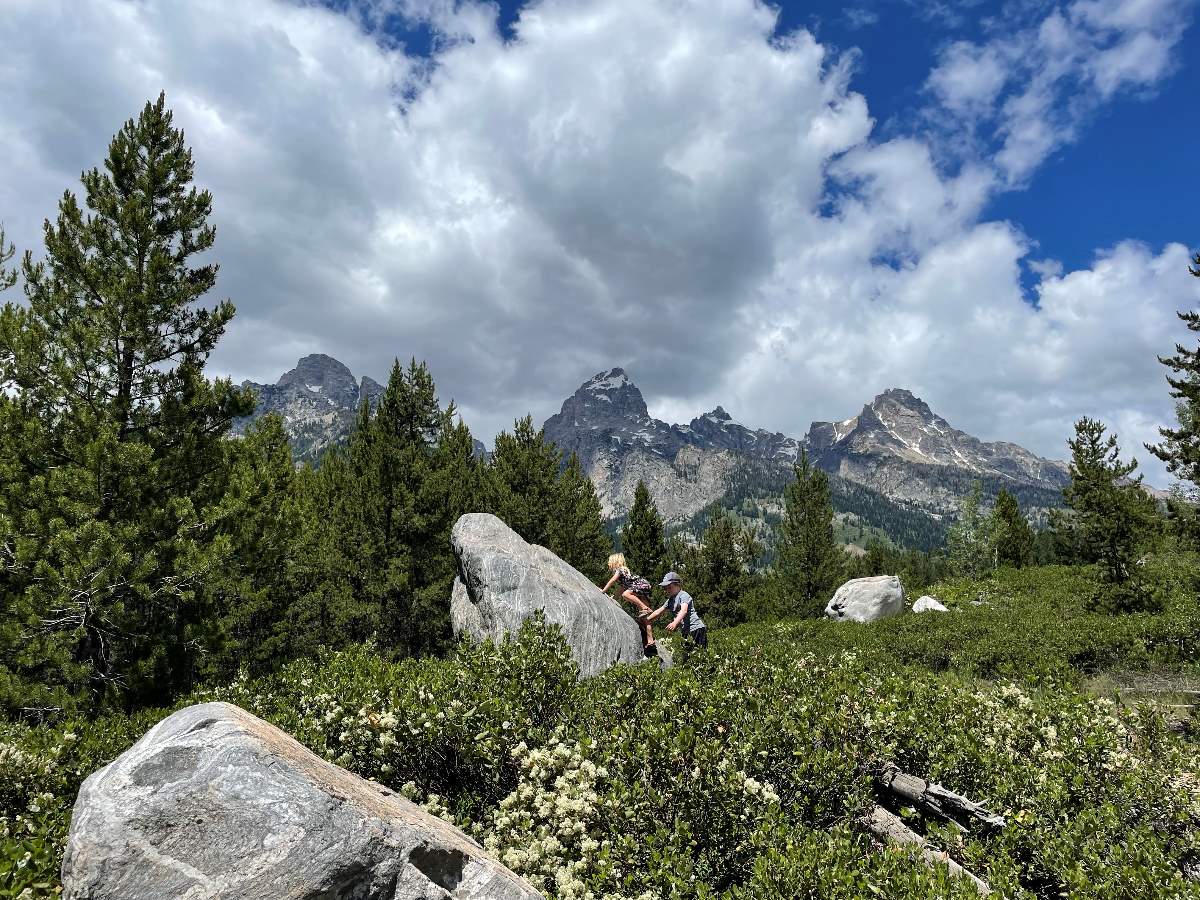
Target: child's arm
(658,612)
(616,575)
(683,611)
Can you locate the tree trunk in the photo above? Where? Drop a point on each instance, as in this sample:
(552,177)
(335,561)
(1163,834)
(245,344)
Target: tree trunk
(936,800)
(889,829)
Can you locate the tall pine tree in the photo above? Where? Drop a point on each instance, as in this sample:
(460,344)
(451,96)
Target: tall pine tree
(719,572)
(111,438)
(1180,447)
(1113,516)
(1011,537)
(524,482)
(577,532)
(642,540)
(809,562)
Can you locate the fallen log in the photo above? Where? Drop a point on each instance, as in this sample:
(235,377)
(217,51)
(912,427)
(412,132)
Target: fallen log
(889,829)
(936,800)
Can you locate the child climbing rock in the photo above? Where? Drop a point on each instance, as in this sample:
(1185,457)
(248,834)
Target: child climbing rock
(635,590)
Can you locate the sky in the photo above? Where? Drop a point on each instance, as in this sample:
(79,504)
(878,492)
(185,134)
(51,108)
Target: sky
(784,209)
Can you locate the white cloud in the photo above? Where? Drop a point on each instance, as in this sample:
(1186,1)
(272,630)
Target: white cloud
(661,184)
(1028,90)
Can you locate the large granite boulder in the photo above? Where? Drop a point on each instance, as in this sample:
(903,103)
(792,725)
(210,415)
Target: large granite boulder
(928,604)
(867,599)
(503,580)
(215,803)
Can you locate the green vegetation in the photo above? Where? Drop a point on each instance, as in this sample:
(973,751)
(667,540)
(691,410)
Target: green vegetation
(742,771)
(642,539)
(808,563)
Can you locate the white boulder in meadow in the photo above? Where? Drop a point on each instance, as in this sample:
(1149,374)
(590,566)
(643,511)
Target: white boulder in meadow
(215,804)
(867,599)
(928,604)
(503,580)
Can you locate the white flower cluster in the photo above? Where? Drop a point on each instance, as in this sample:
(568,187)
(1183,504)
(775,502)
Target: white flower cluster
(547,829)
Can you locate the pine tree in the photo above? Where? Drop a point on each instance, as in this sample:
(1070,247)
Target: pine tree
(1011,537)
(259,514)
(8,277)
(577,531)
(809,562)
(1113,516)
(719,572)
(1180,448)
(642,539)
(524,482)
(969,541)
(386,543)
(111,438)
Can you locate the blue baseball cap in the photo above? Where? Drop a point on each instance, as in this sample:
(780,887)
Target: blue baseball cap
(670,578)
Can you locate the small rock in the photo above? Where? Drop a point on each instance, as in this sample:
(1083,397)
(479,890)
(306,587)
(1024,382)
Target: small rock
(928,604)
(867,599)
(215,804)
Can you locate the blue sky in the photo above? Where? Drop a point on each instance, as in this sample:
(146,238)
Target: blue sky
(784,210)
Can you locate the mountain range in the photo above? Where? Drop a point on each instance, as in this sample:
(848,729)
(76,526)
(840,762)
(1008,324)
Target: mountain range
(896,466)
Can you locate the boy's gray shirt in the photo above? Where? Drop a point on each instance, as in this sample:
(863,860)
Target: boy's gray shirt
(692,621)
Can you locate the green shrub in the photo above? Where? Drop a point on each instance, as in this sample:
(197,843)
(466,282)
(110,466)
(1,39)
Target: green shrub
(739,773)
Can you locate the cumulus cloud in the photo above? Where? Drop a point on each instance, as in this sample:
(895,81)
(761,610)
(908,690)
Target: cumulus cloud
(1028,91)
(667,185)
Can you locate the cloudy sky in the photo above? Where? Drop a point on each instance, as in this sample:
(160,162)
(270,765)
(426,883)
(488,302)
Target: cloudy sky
(784,209)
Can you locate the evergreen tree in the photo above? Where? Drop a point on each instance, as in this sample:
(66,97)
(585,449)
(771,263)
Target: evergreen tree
(1113,516)
(524,484)
(642,539)
(1011,537)
(809,562)
(259,514)
(111,438)
(386,537)
(719,571)
(8,277)
(577,530)
(1180,448)
(969,541)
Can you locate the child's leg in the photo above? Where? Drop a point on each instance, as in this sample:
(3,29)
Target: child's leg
(636,601)
(646,629)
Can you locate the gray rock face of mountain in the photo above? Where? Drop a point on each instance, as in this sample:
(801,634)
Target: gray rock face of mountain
(215,803)
(717,430)
(318,401)
(898,446)
(503,580)
(686,467)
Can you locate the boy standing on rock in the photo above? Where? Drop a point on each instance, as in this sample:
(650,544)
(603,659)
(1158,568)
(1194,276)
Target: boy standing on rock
(683,608)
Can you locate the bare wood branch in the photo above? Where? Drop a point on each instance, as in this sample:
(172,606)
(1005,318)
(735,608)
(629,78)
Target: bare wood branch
(889,829)
(937,800)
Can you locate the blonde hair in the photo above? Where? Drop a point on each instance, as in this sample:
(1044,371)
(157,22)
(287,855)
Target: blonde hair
(616,561)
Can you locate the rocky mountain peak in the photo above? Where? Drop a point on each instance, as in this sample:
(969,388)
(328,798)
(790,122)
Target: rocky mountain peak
(719,415)
(608,395)
(322,376)
(903,399)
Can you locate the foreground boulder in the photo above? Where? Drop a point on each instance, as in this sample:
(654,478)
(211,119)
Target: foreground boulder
(215,803)
(503,580)
(867,599)
(928,604)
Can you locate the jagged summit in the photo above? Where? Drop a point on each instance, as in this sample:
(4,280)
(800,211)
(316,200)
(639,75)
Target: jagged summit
(324,375)
(317,400)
